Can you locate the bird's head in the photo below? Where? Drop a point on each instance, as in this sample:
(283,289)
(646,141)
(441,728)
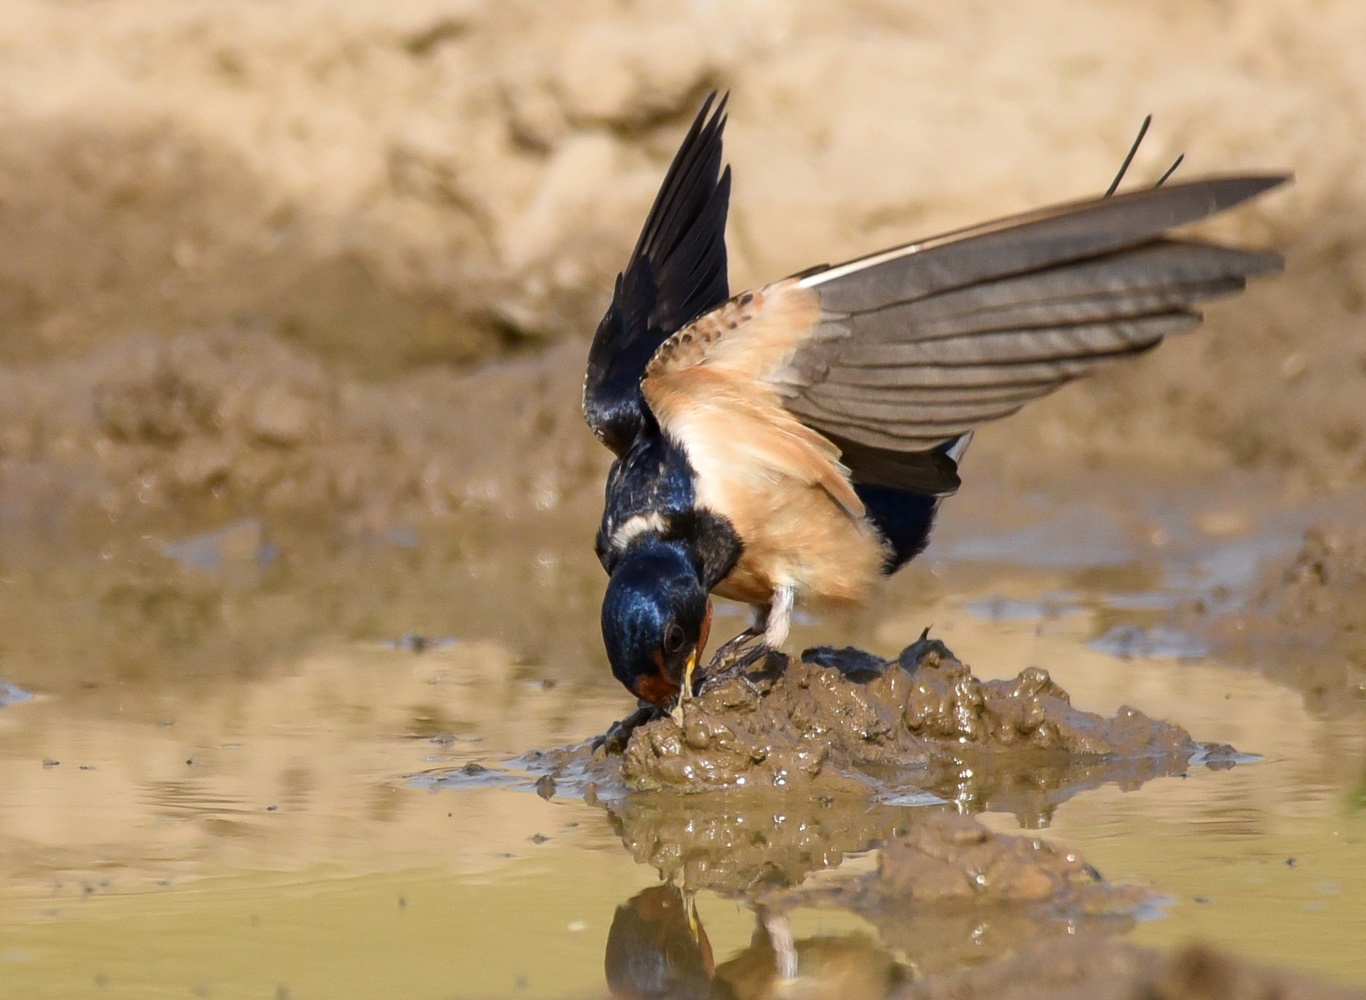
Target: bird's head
(656,947)
(655,620)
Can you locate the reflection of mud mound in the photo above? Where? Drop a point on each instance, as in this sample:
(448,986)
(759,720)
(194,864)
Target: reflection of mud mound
(744,847)
(841,722)
(948,891)
(975,914)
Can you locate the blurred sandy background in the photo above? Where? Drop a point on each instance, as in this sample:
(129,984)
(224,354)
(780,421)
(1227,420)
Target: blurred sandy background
(331,267)
(368,189)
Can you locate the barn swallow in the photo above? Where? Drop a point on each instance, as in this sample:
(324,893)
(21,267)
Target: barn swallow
(793,443)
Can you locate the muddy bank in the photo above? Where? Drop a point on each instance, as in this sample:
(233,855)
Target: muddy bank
(253,261)
(234,422)
(843,722)
(217,500)
(439,182)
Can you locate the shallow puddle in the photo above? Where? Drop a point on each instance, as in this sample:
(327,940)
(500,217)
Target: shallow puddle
(353,821)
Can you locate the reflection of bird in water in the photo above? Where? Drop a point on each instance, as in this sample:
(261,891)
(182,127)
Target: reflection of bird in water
(843,967)
(793,443)
(657,949)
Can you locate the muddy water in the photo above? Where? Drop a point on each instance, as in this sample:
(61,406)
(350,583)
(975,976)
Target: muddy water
(348,815)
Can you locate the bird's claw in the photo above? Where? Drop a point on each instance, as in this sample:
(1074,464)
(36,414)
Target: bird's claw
(618,733)
(734,665)
(922,650)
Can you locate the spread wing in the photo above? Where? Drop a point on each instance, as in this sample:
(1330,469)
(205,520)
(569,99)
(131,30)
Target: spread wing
(892,356)
(676,272)
(918,344)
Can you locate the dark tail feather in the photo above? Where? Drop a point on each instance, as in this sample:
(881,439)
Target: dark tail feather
(905,518)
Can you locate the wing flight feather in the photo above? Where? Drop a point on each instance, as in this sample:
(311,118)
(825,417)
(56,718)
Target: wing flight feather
(892,356)
(676,272)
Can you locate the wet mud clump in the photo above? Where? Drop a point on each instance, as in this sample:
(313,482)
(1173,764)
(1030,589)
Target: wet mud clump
(1325,583)
(845,722)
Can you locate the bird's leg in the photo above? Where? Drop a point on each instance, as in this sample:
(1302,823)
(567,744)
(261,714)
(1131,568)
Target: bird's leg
(732,656)
(779,619)
(772,623)
(619,732)
(729,649)
(779,932)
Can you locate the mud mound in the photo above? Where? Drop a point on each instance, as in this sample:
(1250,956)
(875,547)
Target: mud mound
(1324,586)
(1306,624)
(842,722)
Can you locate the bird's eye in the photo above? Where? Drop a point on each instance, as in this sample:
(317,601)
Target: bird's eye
(673,638)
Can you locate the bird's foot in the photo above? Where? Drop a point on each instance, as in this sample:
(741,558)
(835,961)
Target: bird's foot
(736,665)
(614,740)
(733,647)
(924,651)
(779,931)
(729,653)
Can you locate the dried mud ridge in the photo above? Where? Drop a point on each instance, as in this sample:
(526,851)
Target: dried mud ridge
(844,722)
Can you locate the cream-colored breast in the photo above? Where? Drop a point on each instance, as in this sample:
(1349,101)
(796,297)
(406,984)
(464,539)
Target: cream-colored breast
(796,535)
(781,487)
